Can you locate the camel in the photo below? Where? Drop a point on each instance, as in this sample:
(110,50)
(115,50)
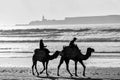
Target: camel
(75,54)
(44,57)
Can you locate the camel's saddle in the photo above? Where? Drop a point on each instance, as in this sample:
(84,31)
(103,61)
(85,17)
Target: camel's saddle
(70,52)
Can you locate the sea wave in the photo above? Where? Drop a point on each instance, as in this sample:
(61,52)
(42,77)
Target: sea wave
(91,33)
(43,30)
(111,30)
(49,40)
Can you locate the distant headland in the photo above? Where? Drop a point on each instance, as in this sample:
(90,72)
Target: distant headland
(77,20)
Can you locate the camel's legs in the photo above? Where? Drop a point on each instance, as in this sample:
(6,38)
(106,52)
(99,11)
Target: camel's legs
(36,68)
(83,67)
(43,67)
(76,68)
(61,61)
(67,67)
(46,68)
(33,68)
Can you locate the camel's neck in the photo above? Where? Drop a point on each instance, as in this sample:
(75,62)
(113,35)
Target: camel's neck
(55,55)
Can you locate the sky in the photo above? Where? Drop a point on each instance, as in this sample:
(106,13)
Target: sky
(24,11)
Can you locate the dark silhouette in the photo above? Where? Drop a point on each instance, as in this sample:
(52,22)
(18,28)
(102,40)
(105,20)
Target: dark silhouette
(42,46)
(72,42)
(42,56)
(75,55)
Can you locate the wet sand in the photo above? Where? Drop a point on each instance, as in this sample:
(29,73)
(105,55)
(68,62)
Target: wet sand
(92,73)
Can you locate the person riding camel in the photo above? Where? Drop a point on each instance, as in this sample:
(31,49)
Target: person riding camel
(42,45)
(72,42)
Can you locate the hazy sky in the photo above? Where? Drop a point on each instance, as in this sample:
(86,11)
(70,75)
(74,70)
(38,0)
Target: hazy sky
(23,11)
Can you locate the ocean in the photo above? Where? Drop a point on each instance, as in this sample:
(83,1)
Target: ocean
(17,43)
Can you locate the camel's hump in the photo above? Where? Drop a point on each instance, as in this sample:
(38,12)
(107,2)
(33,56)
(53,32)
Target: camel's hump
(40,53)
(70,52)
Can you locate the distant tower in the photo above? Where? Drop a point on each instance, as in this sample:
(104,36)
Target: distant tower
(43,18)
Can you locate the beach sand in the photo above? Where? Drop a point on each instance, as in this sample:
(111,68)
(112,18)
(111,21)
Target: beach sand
(92,73)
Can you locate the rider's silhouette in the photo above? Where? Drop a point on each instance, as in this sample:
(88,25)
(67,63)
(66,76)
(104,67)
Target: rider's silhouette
(72,42)
(42,46)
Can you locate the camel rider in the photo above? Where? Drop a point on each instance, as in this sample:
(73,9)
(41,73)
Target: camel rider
(43,47)
(42,44)
(72,42)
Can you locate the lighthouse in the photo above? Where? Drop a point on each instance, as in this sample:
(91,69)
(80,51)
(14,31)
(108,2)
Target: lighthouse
(43,18)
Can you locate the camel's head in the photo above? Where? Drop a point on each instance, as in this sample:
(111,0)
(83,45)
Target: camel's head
(57,52)
(61,53)
(90,49)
